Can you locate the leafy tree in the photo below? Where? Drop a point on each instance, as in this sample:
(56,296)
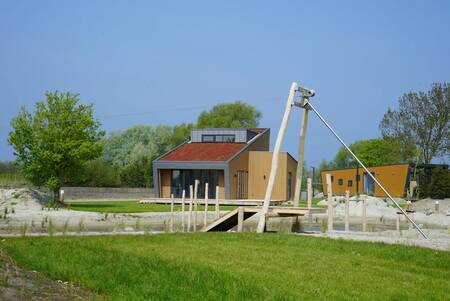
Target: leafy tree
(133,150)
(99,173)
(181,133)
(230,115)
(440,183)
(54,142)
(372,152)
(423,120)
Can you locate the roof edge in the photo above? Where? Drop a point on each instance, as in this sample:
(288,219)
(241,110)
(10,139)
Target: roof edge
(249,143)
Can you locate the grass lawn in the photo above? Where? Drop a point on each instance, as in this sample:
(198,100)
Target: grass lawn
(131,207)
(237,266)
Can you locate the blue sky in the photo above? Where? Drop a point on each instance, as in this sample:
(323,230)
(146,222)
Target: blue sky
(143,62)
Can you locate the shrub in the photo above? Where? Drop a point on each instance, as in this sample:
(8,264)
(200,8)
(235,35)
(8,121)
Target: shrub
(440,183)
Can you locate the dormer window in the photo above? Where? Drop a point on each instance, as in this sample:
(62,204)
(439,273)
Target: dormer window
(218,138)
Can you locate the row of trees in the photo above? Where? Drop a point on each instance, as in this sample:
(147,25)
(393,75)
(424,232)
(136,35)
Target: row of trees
(61,143)
(419,130)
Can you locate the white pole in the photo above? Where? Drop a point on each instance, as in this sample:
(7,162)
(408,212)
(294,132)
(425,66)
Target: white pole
(240,225)
(217,203)
(310,192)
(171,213)
(195,204)
(191,197)
(310,196)
(301,156)
(347,210)
(183,199)
(205,218)
(273,171)
(364,216)
(365,168)
(330,202)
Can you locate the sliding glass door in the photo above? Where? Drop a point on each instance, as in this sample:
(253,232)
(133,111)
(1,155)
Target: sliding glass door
(183,178)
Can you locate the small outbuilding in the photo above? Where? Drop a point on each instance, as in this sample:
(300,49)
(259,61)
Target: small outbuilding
(396,178)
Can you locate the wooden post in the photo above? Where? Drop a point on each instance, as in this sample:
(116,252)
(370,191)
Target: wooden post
(310,192)
(263,214)
(330,202)
(301,156)
(347,210)
(61,195)
(195,204)
(171,213)
(309,202)
(183,199)
(217,203)
(240,224)
(205,218)
(364,216)
(191,197)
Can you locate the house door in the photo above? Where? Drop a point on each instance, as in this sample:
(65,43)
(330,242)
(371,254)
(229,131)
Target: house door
(369,184)
(242,184)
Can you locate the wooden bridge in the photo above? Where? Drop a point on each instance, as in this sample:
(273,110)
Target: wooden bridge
(239,215)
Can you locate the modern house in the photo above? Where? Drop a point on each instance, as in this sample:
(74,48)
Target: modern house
(395,178)
(238,161)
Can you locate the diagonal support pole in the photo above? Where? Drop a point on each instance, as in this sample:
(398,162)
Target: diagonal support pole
(365,168)
(263,214)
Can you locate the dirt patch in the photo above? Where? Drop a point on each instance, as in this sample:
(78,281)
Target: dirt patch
(19,284)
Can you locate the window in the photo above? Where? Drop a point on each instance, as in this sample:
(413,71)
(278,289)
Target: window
(207,138)
(340,182)
(332,179)
(350,183)
(218,138)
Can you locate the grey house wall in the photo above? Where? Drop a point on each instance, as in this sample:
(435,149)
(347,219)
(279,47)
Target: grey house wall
(241,135)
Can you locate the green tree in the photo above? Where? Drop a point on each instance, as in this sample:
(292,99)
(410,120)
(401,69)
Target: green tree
(98,173)
(423,120)
(54,142)
(133,150)
(230,115)
(440,183)
(371,152)
(181,133)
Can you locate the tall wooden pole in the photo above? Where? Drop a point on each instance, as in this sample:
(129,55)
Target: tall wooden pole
(273,171)
(330,202)
(191,198)
(205,217)
(301,156)
(347,210)
(196,183)
(217,203)
(183,200)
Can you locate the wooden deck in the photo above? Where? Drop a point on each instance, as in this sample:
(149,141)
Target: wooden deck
(237,216)
(210,201)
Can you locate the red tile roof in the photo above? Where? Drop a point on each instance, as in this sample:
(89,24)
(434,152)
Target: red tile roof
(204,152)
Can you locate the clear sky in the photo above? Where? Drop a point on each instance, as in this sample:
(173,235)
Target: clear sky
(149,62)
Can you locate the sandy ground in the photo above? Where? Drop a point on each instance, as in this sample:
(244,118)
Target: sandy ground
(22,213)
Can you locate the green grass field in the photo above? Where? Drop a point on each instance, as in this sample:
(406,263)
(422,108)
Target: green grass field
(232,266)
(131,207)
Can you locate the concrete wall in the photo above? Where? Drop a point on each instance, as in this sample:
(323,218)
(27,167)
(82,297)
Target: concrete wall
(96,193)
